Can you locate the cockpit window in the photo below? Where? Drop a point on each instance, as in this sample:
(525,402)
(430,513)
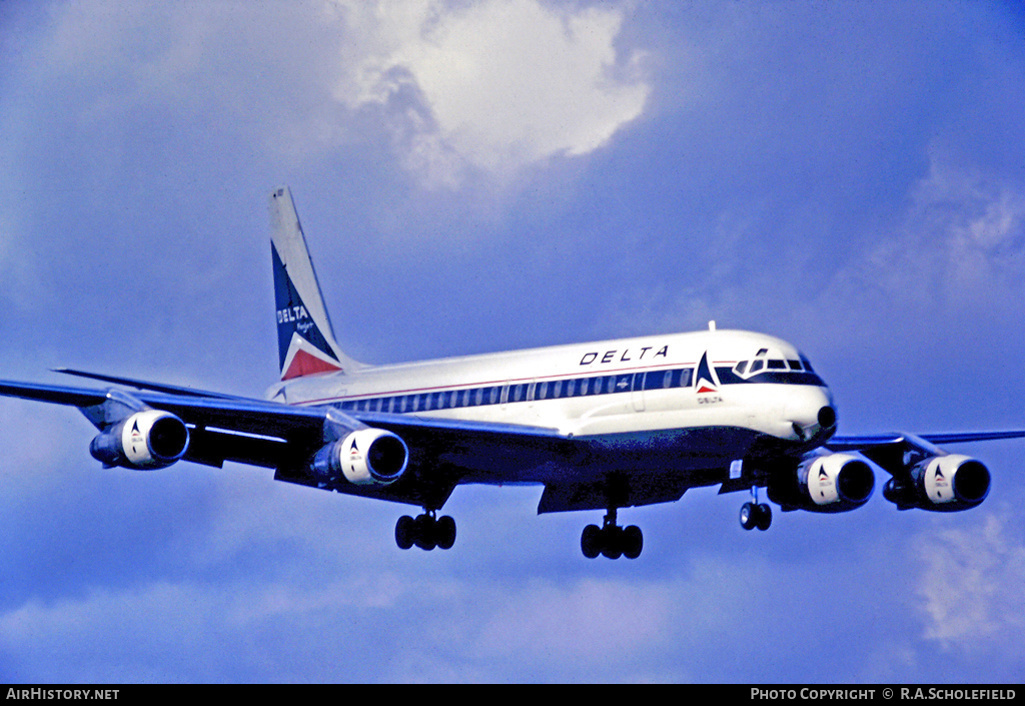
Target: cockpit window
(763,369)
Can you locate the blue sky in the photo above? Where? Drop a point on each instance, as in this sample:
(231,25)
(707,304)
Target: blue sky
(483,176)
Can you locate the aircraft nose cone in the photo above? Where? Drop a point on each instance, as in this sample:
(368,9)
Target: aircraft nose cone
(810,412)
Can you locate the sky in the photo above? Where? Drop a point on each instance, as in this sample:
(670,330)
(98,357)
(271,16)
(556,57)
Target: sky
(484,176)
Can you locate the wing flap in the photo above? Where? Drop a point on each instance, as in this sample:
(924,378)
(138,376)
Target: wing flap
(620,490)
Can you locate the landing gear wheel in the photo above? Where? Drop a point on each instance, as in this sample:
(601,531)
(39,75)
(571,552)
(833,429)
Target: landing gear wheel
(633,542)
(446,532)
(755,515)
(425,535)
(404,532)
(611,540)
(426,532)
(590,541)
(748,516)
(764,517)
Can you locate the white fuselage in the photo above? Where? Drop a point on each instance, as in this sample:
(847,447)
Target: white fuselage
(711,381)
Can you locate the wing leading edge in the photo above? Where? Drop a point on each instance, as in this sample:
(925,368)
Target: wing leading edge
(923,475)
(287,438)
(857,443)
(442,452)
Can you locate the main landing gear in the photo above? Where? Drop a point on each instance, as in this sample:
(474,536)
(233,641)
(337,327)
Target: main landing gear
(611,540)
(427,531)
(755,514)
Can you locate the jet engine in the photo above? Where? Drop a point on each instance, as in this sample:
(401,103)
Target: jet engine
(946,483)
(830,482)
(143,441)
(363,457)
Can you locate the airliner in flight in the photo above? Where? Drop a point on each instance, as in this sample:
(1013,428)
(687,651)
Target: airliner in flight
(601,426)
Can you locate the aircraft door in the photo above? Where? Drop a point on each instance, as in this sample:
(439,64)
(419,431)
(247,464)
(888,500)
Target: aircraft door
(638,392)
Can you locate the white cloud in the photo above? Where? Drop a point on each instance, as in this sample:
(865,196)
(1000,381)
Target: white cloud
(494,85)
(971,585)
(978,221)
(580,622)
(956,250)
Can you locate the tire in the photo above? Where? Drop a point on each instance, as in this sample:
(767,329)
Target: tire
(445,531)
(633,542)
(612,542)
(763,518)
(748,516)
(590,541)
(424,534)
(404,532)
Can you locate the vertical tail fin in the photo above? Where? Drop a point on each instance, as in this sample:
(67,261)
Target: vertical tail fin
(306,342)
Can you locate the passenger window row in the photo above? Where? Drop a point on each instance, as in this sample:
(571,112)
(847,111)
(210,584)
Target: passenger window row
(522,392)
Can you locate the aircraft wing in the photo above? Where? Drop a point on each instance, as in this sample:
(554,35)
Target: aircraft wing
(888,451)
(442,452)
(221,429)
(284,437)
(855,443)
(146,385)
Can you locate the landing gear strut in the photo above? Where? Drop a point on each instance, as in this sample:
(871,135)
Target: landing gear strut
(427,531)
(755,514)
(611,540)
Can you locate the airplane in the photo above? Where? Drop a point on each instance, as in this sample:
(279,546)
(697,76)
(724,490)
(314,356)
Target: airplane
(601,426)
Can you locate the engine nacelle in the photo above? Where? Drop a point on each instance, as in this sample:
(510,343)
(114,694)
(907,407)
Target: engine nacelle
(363,457)
(945,483)
(144,441)
(827,483)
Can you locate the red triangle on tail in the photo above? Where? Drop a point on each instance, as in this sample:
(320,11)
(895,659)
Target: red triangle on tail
(305,364)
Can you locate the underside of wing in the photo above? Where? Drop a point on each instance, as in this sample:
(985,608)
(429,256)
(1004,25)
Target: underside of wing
(922,474)
(303,444)
(444,453)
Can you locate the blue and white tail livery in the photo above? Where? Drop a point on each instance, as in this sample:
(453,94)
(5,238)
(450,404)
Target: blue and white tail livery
(599,426)
(306,342)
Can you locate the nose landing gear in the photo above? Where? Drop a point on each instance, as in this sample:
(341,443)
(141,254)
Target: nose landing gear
(755,514)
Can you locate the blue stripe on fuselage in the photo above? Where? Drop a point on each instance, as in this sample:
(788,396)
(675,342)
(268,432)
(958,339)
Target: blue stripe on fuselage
(481,396)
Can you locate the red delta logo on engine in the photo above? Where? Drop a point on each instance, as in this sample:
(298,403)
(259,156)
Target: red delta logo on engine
(824,482)
(136,443)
